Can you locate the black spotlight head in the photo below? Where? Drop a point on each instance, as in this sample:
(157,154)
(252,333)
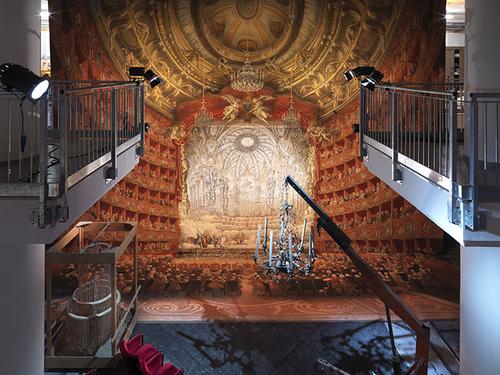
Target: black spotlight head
(149,75)
(363,70)
(19,78)
(377,76)
(153,79)
(369,83)
(349,74)
(136,71)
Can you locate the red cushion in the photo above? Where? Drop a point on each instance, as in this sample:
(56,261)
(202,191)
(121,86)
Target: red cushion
(130,347)
(170,369)
(146,352)
(152,365)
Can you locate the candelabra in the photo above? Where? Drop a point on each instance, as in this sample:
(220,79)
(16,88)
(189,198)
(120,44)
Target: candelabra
(247,78)
(204,118)
(290,117)
(284,253)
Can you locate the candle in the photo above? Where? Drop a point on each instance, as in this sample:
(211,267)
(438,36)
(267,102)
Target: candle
(302,237)
(290,253)
(256,256)
(264,246)
(312,253)
(310,246)
(271,249)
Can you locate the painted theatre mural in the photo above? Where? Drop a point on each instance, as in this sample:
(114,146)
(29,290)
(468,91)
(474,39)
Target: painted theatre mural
(235,178)
(220,144)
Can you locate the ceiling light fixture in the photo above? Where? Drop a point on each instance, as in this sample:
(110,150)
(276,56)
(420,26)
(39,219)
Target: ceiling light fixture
(247,78)
(290,117)
(204,116)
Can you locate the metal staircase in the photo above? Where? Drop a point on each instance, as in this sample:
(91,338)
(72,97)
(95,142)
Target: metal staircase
(440,151)
(60,155)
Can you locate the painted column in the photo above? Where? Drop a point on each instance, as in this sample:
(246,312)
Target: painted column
(480,266)
(22,271)
(20,33)
(482,73)
(479,310)
(20,27)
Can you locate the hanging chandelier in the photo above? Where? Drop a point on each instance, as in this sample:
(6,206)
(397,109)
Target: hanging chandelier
(290,117)
(247,78)
(285,253)
(204,116)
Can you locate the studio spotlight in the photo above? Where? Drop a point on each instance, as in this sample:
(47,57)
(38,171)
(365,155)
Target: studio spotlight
(136,71)
(372,76)
(348,75)
(153,79)
(358,71)
(140,73)
(377,76)
(18,78)
(369,83)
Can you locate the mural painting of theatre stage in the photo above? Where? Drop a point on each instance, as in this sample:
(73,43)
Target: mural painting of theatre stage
(234,178)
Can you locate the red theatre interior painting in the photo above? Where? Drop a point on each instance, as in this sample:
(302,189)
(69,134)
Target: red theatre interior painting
(210,187)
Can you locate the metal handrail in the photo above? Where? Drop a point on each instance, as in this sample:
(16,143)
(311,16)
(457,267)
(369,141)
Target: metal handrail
(78,127)
(108,85)
(405,89)
(372,278)
(420,129)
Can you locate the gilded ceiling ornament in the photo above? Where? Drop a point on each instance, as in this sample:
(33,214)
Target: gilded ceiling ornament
(217,28)
(259,110)
(233,109)
(321,136)
(322,38)
(254,107)
(276,27)
(248,44)
(247,9)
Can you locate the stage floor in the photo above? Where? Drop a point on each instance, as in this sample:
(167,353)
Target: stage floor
(293,348)
(253,308)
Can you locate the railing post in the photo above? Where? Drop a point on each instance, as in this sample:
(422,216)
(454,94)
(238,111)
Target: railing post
(362,119)
(64,124)
(471,215)
(136,91)
(113,308)
(44,189)
(396,173)
(111,173)
(453,204)
(141,123)
(396,365)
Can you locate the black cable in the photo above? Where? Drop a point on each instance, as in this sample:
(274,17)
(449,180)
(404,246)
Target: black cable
(24,138)
(53,160)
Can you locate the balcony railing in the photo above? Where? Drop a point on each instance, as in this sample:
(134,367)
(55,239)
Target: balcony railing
(77,128)
(433,130)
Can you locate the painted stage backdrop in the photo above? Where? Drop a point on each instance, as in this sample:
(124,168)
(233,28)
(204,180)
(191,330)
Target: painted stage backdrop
(234,178)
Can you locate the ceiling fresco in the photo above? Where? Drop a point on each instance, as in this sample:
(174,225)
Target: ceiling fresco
(304,43)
